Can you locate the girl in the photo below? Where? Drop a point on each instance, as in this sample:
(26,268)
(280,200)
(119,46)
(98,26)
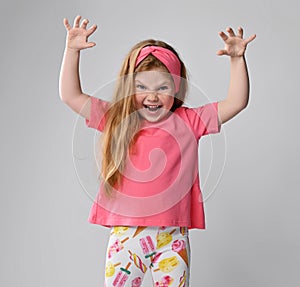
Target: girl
(150,193)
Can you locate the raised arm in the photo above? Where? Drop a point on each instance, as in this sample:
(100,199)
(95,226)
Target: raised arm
(238,92)
(69,81)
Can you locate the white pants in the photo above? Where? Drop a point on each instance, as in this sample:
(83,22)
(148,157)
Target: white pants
(133,250)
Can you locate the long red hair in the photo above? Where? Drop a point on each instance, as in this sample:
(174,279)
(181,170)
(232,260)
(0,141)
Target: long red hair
(122,122)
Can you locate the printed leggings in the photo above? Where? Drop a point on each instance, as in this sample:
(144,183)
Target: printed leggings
(132,250)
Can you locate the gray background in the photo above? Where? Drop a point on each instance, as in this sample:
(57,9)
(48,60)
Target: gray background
(252,236)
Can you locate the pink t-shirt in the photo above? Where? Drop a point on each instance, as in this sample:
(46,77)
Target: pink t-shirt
(160,184)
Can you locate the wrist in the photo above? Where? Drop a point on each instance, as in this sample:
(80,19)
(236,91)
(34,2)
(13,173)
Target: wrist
(237,58)
(70,50)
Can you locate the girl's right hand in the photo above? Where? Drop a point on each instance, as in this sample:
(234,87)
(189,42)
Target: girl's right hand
(77,36)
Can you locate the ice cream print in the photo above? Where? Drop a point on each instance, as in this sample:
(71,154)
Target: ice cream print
(179,246)
(146,157)
(134,250)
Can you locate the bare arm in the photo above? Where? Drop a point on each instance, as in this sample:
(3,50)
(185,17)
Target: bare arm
(69,82)
(238,92)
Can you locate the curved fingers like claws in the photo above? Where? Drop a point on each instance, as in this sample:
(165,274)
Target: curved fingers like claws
(76,21)
(223,36)
(84,23)
(67,24)
(240,32)
(230,32)
(91,30)
(250,39)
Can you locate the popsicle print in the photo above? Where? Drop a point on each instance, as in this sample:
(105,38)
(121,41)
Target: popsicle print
(119,230)
(183,230)
(164,282)
(182,280)
(168,264)
(122,276)
(137,261)
(147,246)
(110,268)
(116,247)
(136,282)
(164,238)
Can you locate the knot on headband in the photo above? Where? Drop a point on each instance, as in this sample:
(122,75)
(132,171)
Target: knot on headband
(167,57)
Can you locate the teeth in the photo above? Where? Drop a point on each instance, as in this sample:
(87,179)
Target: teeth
(152,107)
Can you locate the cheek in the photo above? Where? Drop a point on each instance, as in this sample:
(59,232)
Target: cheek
(139,100)
(169,103)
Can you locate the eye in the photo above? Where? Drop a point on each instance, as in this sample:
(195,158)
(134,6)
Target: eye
(163,88)
(140,87)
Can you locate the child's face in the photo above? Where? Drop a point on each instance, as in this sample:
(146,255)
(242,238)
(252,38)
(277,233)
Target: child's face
(154,94)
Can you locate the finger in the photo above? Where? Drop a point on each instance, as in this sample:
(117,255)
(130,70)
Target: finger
(66,23)
(240,32)
(91,30)
(251,38)
(221,52)
(223,36)
(84,23)
(76,21)
(90,44)
(230,32)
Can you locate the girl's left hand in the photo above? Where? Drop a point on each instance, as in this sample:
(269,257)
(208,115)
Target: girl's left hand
(235,45)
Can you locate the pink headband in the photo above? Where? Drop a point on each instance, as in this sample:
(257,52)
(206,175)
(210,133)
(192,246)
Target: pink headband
(167,57)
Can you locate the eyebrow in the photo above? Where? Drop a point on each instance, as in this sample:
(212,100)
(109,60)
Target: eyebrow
(161,84)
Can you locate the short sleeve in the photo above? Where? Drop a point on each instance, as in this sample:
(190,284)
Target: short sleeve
(97,114)
(204,119)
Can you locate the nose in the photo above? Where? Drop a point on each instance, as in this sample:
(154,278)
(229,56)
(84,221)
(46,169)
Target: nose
(152,96)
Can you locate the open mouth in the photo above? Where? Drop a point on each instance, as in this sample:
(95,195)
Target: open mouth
(152,108)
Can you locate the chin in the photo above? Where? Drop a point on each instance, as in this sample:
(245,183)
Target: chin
(155,117)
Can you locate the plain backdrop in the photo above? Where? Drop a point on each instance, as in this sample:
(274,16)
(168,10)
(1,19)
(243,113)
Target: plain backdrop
(252,236)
